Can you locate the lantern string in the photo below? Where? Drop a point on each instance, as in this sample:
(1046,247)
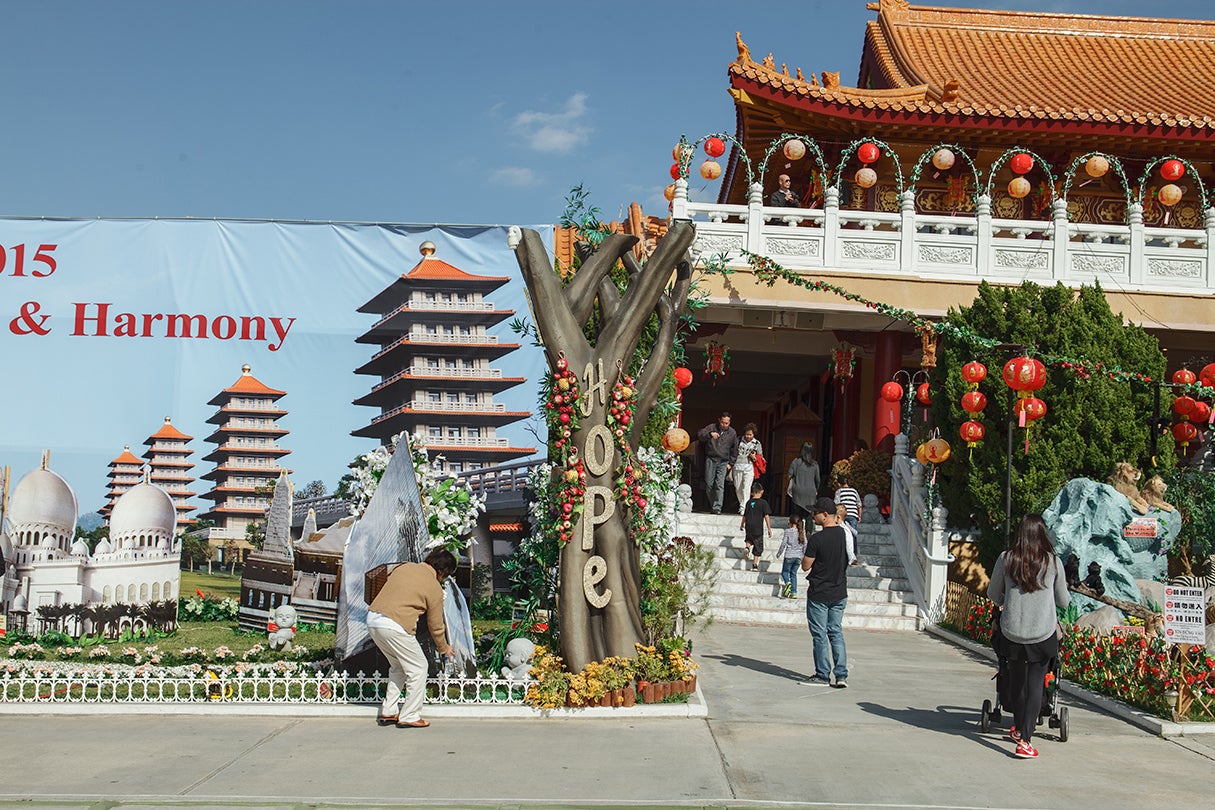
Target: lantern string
(768,272)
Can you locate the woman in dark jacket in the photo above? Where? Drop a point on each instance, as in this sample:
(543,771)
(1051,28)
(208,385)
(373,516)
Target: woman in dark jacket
(1028,583)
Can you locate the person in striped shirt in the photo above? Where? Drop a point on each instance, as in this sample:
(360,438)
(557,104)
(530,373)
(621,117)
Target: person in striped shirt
(850,499)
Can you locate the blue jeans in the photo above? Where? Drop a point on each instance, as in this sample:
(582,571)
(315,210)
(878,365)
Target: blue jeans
(851,521)
(788,573)
(715,481)
(826,620)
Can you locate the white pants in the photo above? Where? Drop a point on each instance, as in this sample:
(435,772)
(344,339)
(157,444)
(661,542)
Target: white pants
(744,475)
(407,671)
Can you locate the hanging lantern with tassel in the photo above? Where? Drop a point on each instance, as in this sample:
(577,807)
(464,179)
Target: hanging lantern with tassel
(1026,375)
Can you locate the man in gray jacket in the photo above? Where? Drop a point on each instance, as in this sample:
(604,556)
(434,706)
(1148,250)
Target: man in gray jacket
(720,442)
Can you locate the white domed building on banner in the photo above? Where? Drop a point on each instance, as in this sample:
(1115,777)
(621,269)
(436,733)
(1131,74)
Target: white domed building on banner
(43,565)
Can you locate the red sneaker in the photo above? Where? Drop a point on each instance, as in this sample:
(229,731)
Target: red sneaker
(1025,751)
(1014,735)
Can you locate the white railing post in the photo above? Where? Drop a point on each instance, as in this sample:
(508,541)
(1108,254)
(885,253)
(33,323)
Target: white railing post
(1134,218)
(1209,223)
(755,218)
(1062,238)
(907,230)
(937,551)
(983,233)
(679,205)
(831,226)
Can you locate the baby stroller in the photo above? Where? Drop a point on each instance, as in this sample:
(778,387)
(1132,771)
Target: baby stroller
(1056,715)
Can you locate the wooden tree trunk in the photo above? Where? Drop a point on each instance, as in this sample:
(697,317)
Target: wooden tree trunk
(599,598)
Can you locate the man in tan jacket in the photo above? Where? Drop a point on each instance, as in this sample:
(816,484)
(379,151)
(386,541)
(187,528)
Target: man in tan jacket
(411,591)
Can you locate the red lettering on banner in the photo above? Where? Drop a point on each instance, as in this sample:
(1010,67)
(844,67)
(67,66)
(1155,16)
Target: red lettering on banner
(94,320)
(227,324)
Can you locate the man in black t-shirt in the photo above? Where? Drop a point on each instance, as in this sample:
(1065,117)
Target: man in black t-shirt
(827,594)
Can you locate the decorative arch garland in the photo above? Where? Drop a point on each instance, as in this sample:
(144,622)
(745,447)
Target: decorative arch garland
(1054,189)
(769,272)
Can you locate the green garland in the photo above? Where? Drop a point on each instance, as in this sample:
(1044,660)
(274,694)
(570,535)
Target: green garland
(769,272)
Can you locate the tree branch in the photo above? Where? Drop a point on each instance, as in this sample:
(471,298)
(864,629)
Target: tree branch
(1151,620)
(649,382)
(581,291)
(644,290)
(559,330)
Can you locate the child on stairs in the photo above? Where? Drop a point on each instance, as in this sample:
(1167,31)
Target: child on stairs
(792,549)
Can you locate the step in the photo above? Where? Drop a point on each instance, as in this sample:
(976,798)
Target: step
(770,586)
(770,601)
(852,621)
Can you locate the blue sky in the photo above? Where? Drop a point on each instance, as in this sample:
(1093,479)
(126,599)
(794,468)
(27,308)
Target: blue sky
(470,112)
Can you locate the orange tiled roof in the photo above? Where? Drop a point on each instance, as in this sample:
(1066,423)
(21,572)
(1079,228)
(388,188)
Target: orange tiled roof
(167,431)
(432,269)
(127,458)
(248,384)
(647,229)
(1032,66)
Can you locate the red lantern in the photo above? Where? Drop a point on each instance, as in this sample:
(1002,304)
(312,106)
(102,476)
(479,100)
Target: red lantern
(715,147)
(1021,163)
(1172,170)
(892,391)
(675,175)
(1024,374)
(1207,375)
(1184,433)
(974,402)
(972,432)
(683,377)
(1183,376)
(974,372)
(1029,409)
(868,153)
(923,394)
(1184,406)
(1201,413)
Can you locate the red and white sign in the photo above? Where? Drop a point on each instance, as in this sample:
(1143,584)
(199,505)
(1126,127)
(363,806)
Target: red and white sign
(1184,615)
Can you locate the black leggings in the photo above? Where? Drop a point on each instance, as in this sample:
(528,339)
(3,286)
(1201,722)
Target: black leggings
(1026,681)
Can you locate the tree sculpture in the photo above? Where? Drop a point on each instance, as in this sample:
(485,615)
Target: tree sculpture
(590,330)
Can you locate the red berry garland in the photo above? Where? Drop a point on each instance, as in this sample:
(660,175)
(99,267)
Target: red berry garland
(632,471)
(561,414)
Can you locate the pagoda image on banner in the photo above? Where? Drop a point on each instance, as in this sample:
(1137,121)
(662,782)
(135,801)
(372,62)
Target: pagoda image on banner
(125,472)
(433,364)
(168,456)
(246,459)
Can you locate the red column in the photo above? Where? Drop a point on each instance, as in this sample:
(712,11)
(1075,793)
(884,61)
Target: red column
(888,358)
(846,418)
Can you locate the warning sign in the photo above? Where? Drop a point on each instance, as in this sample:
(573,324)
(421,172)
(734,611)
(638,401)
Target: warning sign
(1184,615)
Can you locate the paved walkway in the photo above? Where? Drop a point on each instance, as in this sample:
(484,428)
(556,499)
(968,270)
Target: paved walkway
(904,734)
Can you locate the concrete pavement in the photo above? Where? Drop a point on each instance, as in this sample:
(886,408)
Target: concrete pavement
(905,734)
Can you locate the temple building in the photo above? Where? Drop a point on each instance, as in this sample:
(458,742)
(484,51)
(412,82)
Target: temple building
(43,565)
(125,472)
(433,365)
(168,456)
(246,458)
(973,145)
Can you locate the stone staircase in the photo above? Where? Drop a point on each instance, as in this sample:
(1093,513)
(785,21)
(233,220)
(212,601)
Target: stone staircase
(879,596)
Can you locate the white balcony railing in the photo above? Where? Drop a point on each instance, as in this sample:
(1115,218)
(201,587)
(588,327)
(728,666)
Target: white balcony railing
(466,441)
(964,247)
(423,405)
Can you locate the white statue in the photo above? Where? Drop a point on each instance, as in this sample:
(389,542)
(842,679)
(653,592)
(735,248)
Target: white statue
(519,652)
(281,628)
(683,499)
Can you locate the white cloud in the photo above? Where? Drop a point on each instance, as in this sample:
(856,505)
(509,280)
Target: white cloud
(514,176)
(555,131)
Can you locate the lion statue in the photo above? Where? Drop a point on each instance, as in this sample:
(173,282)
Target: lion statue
(1153,493)
(1123,479)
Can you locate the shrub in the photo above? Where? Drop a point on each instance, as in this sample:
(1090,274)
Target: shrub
(868,472)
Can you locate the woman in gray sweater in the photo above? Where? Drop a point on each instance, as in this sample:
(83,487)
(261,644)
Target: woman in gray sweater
(1029,585)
